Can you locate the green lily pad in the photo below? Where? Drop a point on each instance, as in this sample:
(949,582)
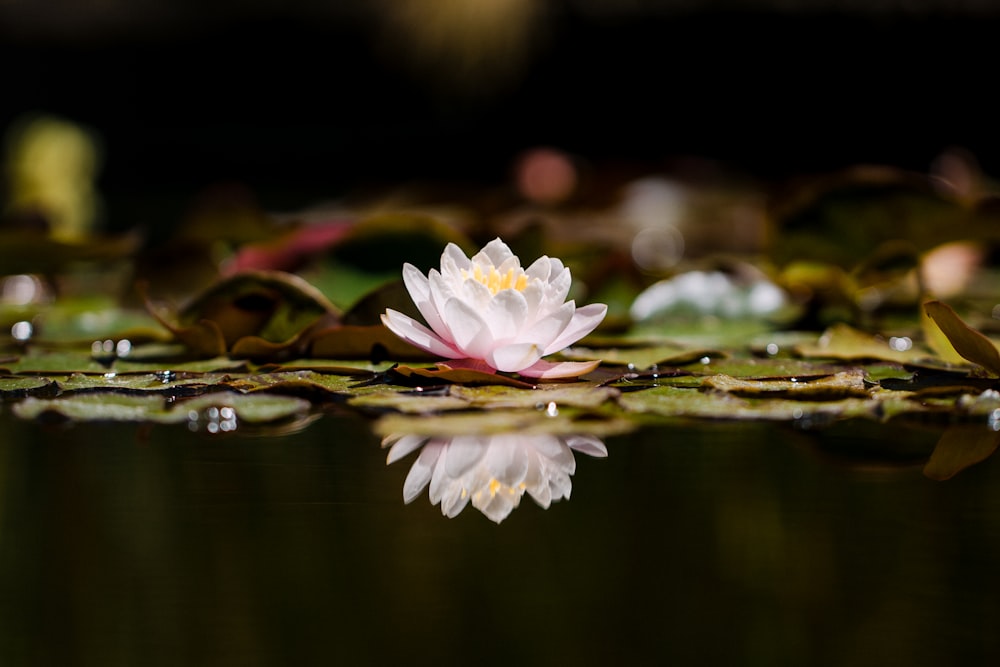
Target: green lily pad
(845,343)
(643,356)
(692,403)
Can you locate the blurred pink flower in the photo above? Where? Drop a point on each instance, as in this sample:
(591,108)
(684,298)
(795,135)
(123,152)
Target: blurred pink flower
(488,309)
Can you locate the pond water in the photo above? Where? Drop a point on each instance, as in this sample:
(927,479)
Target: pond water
(698,543)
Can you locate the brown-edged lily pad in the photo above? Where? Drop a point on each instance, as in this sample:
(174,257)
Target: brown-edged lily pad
(847,384)
(258,313)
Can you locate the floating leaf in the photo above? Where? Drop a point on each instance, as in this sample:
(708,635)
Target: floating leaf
(845,343)
(684,402)
(840,385)
(968,342)
(643,356)
(112,406)
(444,373)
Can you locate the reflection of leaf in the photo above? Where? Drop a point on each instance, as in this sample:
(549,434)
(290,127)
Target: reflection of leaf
(961,446)
(498,421)
(968,342)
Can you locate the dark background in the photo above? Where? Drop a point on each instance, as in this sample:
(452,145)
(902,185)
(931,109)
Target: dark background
(302,100)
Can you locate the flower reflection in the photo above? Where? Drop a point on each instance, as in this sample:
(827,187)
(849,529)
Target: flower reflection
(492,471)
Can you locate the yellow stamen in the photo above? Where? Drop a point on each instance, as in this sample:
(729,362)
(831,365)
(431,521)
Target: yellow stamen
(496,281)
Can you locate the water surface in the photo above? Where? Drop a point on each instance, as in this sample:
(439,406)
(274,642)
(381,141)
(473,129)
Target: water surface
(711,543)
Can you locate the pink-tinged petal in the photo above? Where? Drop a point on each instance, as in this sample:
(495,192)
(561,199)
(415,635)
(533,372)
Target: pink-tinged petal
(584,321)
(420,291)
(588,445)
(514,358)
(422,470)
(548,370)
(494,253)
(417,334)
(402,446)
(550,327)
(505,315)
(470,333)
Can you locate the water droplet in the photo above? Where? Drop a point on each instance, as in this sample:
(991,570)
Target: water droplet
(124,347)
(552,410)
(630,367)
(900,343)
(22,331)
(165,377)
(705,361)
(109,376)
(772,349)
(797,413)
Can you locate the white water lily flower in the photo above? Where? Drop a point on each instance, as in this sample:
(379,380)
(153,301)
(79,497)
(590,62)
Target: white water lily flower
(488,309)
(493,472)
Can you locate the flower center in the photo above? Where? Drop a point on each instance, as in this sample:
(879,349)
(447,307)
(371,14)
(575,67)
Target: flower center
(496,281)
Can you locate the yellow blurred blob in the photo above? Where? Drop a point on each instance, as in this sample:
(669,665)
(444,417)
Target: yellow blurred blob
(51,165)
(470,43)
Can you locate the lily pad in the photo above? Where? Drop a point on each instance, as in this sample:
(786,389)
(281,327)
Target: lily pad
(112,406)
(717,405)
(847,384)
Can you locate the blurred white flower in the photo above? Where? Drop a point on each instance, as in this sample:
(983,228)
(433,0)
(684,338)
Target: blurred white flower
(489,309)
(492,471)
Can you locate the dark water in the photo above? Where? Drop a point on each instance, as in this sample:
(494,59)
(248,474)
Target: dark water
(697,544)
